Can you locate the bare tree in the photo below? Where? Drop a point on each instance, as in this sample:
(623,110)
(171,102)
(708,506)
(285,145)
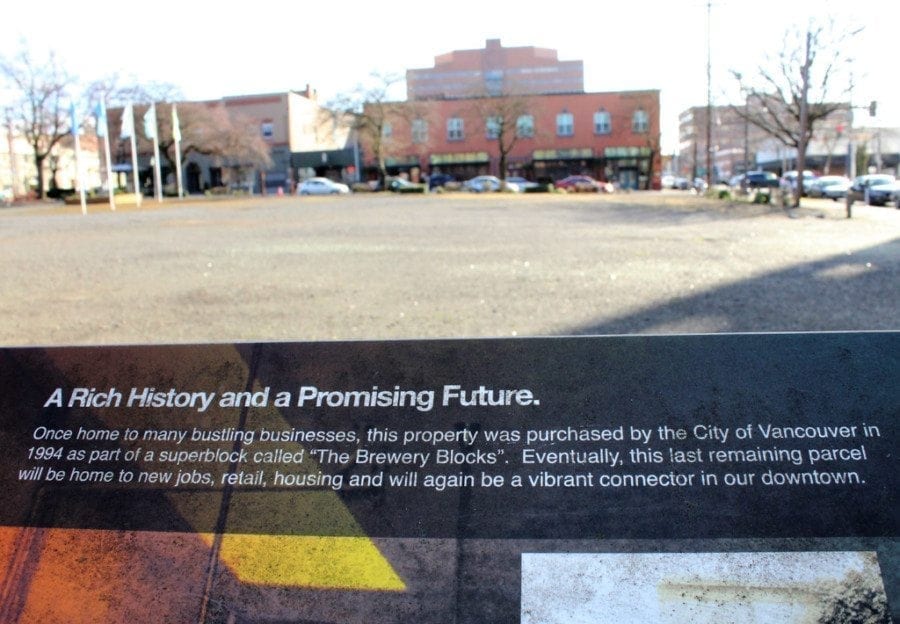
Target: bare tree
(206,128)
(505,120)
(792,94)
(372,114)
(41,113)
(241,147)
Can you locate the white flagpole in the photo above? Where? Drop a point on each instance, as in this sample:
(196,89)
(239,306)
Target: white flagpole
(151,131)
(105,128)
(176,135)
(138,194)
(78,170)
(156,166)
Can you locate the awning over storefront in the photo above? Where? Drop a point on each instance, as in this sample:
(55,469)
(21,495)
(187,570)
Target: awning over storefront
(575,153)
(627,152)
(323,158)
(402,161)
(459,158)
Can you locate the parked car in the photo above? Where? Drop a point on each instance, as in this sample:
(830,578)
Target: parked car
(439,179)
(402,185)
(857,190)
(488,184)
(675,182)
(789,181)
(585,184)
(682,183)
(321,186)
(522,183)
(755,180)
(832,187)
(881,194)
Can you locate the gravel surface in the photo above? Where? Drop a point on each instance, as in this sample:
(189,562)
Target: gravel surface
(398,267)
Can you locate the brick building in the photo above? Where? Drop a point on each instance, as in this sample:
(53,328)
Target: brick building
(473,105)
(495,70)
(609,136)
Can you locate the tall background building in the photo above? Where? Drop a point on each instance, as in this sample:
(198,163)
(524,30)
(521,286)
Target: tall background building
(495,70)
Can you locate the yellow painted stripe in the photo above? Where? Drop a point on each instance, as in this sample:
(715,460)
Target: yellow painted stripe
(311,562)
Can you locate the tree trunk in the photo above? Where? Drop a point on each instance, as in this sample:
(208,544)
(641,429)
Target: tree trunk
(804,120)
(39,164)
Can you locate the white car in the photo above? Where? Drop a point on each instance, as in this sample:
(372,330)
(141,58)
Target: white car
(488,184)
(321,186)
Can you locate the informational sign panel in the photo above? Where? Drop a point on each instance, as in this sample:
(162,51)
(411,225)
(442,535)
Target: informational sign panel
(709,478)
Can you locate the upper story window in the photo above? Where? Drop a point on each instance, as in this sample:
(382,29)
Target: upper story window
(565,124)
(492,127)
(267,128)
(455,129)
(493,81)
(602,122)
(387,130)
(419,131)
(525,126)
(640,122)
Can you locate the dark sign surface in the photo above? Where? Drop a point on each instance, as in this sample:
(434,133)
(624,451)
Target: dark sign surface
(573,438)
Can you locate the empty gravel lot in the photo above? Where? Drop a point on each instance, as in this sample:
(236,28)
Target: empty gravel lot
(388,267)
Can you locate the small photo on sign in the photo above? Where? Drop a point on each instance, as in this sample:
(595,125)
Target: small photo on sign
(703,588)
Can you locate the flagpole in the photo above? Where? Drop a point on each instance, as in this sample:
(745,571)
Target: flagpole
(138,194)
(156,166)
(78,171)
(109,184)
(176,134)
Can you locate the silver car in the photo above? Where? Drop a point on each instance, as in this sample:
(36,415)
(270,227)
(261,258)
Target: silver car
(488,184)
(321,186)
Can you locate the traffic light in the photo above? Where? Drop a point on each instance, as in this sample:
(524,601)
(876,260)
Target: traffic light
(873,107)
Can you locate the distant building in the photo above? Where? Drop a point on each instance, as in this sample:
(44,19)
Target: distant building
(737,145)
(301,140)
(495,70)
(18,174)
(301,143)
(610,136)
(446,126)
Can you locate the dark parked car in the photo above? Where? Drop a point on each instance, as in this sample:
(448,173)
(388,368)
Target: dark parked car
(881,194)
(857,191)
(755,180)
(439,179)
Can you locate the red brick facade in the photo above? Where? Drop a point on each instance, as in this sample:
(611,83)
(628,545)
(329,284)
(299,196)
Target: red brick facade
(452,137)
(494,70)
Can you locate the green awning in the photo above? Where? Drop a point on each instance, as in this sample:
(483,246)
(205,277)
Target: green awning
(627,152)
(323,158)
(460,158)
(575,153)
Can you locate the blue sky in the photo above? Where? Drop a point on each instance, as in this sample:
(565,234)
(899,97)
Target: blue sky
(213,49)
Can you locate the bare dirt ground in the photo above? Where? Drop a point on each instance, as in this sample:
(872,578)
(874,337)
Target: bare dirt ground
(398,267)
